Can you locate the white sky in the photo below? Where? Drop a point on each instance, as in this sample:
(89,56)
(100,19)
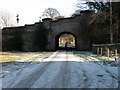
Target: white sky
(30,10)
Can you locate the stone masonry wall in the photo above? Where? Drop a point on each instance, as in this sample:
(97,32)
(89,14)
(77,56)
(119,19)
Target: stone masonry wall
(44,35)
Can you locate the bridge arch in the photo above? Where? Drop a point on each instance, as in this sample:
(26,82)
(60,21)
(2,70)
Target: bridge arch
(64,37)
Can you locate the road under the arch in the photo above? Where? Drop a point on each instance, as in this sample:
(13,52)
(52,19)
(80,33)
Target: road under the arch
(66,40)
(63,70)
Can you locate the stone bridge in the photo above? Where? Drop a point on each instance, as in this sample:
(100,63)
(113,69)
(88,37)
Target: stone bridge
(28,37)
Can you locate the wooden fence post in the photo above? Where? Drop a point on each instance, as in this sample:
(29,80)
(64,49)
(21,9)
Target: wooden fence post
(108,52)
(115,54)
(101,52)
(98,51)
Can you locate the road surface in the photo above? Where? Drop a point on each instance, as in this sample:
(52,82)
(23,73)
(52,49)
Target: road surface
(63,70)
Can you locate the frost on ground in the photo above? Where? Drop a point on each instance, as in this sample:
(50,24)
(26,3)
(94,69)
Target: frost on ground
(88,56)
(13,61)
(64,70)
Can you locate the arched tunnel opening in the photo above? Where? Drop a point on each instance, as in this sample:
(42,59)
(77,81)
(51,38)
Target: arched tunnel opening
(66,41)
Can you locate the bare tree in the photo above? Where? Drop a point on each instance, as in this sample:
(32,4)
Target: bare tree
(58,17)
(81,5)
(6,19)
(50,13)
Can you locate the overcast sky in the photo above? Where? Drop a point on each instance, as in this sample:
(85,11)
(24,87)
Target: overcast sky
(30,10)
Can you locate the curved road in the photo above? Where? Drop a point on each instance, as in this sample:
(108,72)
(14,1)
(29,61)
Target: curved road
(63,70)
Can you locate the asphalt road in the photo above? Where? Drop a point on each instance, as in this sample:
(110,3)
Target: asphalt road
(64,70)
